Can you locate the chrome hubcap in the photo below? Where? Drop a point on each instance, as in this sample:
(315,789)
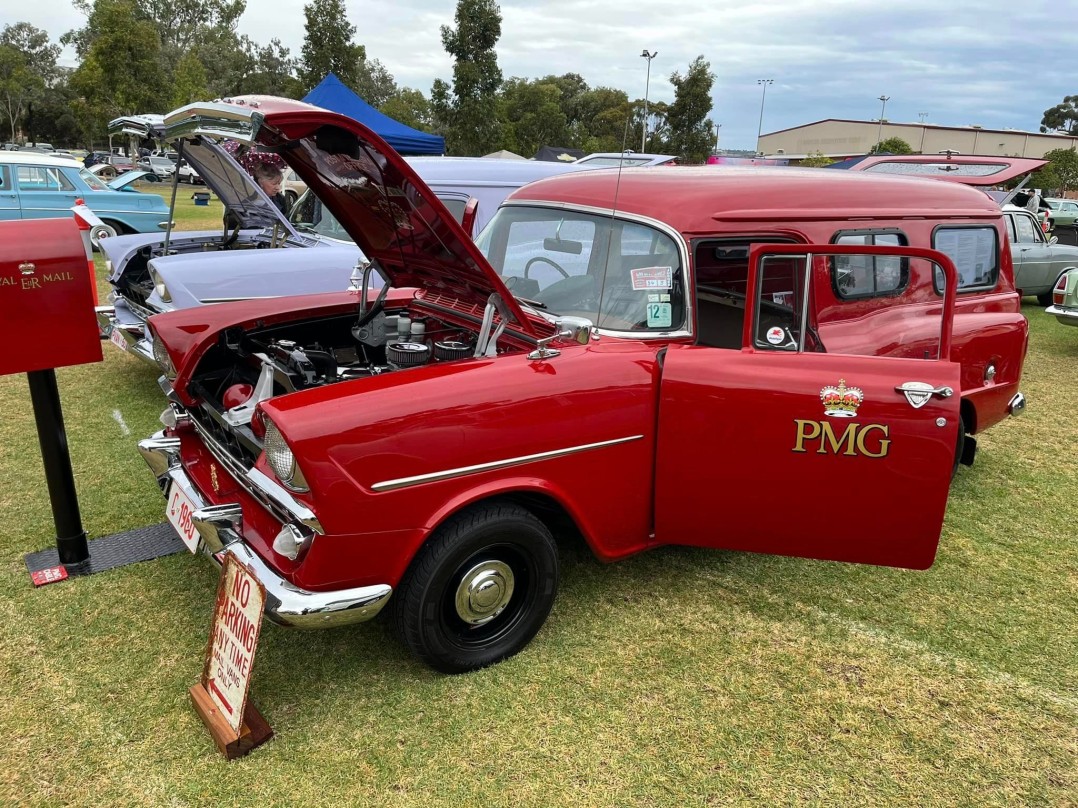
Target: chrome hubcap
(484,592)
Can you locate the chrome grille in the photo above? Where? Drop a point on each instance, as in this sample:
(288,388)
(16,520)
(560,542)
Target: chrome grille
(237,467)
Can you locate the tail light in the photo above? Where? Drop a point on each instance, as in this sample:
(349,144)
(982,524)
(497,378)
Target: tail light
(1060,291)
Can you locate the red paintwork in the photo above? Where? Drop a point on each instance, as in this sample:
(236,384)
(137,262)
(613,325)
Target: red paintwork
(712,459)
(44,284)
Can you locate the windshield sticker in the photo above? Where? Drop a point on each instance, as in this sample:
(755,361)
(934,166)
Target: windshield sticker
(647,278)
(660,315)
(775,335)
(783,298)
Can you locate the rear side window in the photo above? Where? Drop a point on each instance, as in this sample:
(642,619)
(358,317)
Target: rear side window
(859,276)
(43,178)
(975,252)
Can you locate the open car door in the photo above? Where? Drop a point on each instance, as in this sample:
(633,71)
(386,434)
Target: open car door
(784,448)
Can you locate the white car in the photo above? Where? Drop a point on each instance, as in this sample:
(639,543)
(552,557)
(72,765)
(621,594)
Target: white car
(187,174)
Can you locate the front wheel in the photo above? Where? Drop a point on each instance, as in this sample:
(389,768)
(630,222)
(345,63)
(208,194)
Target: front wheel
(479,590)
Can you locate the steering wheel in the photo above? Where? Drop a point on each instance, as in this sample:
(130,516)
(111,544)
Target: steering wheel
(545,260)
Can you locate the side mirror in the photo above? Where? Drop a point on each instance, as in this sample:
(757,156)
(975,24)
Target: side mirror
(577,329)
(1053,240)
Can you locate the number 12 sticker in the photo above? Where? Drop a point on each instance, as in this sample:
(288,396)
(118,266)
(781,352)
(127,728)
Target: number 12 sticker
(659,315)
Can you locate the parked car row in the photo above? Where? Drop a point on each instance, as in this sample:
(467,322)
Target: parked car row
(34,186)
(419,442)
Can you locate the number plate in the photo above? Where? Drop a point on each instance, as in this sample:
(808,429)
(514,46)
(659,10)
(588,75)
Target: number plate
(117,338)
(179,511)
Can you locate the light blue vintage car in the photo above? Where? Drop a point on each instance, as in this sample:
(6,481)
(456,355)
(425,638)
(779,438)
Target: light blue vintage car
(39,186)
(269,255)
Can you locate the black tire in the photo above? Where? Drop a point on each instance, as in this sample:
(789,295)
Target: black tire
(960,445)
(1045,299)
(290,199)
(478,590)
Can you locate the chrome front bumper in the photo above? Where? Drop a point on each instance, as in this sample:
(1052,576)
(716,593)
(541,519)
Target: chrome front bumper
(220,531)
(134,336)
(1065,316)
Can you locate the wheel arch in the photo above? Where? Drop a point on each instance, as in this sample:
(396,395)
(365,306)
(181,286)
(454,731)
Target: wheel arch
(540,498)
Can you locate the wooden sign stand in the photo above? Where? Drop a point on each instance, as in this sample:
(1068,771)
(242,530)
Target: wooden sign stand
(220,697)
(254,731)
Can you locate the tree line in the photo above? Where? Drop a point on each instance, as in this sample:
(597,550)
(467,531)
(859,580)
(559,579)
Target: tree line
(139,56)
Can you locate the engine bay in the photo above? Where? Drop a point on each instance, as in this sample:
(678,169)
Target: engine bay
(294,356)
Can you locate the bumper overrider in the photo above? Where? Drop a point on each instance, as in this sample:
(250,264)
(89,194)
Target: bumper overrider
(220,531)
(134,339)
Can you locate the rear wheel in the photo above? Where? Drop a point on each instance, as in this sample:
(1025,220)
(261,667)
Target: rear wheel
(479,590)
(1045,298)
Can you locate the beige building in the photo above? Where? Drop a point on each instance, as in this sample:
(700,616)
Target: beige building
(838,138)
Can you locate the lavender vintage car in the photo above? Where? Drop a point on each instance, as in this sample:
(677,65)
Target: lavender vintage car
(262,258)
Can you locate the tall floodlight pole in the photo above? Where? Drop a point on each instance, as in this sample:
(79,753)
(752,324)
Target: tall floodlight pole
(718,126)
(879,132)
(647,84)
(763,96)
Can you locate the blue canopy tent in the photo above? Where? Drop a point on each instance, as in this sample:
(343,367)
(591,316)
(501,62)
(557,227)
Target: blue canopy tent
(333,95)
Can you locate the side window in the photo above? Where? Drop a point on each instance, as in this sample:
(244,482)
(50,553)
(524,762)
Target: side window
(5,184)
(43,178)
(975,252)
(782,284)
(1026,229)
(455,205)
(722,274)
(860,276)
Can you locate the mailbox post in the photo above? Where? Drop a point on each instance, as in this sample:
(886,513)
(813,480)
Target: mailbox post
(45,289)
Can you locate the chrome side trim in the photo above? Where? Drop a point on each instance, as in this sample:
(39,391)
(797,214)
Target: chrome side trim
(406,482)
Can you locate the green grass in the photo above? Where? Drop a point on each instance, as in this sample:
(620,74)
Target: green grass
(681,677)
(188,215)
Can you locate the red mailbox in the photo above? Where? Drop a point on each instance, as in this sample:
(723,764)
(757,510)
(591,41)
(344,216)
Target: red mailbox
(45,296)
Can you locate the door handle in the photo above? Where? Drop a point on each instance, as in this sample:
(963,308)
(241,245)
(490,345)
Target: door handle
(918,393)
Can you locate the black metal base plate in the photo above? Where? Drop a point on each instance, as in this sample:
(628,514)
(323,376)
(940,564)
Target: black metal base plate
(117,550)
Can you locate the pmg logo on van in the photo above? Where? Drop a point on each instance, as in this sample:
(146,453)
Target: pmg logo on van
(866,440)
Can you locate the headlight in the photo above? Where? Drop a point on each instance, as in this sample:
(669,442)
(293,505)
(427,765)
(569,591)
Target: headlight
(159,287)
(108,266)
(160,355)
(281,460)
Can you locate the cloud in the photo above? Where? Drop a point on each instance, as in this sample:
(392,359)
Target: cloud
(961,62)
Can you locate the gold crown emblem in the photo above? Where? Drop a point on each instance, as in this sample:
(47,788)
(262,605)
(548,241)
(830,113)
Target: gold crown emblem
(841,401)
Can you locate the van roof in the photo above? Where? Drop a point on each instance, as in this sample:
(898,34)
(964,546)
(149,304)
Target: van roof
(693,198)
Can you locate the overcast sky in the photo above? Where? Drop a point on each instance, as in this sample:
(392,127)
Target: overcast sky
(951,62)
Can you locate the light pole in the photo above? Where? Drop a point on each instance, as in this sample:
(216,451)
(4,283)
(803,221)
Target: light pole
(763,95)
(718,126)
(647,84)
(879,132)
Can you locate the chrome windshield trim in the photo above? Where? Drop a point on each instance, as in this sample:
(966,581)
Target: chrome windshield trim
(687,270)
(419,479)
